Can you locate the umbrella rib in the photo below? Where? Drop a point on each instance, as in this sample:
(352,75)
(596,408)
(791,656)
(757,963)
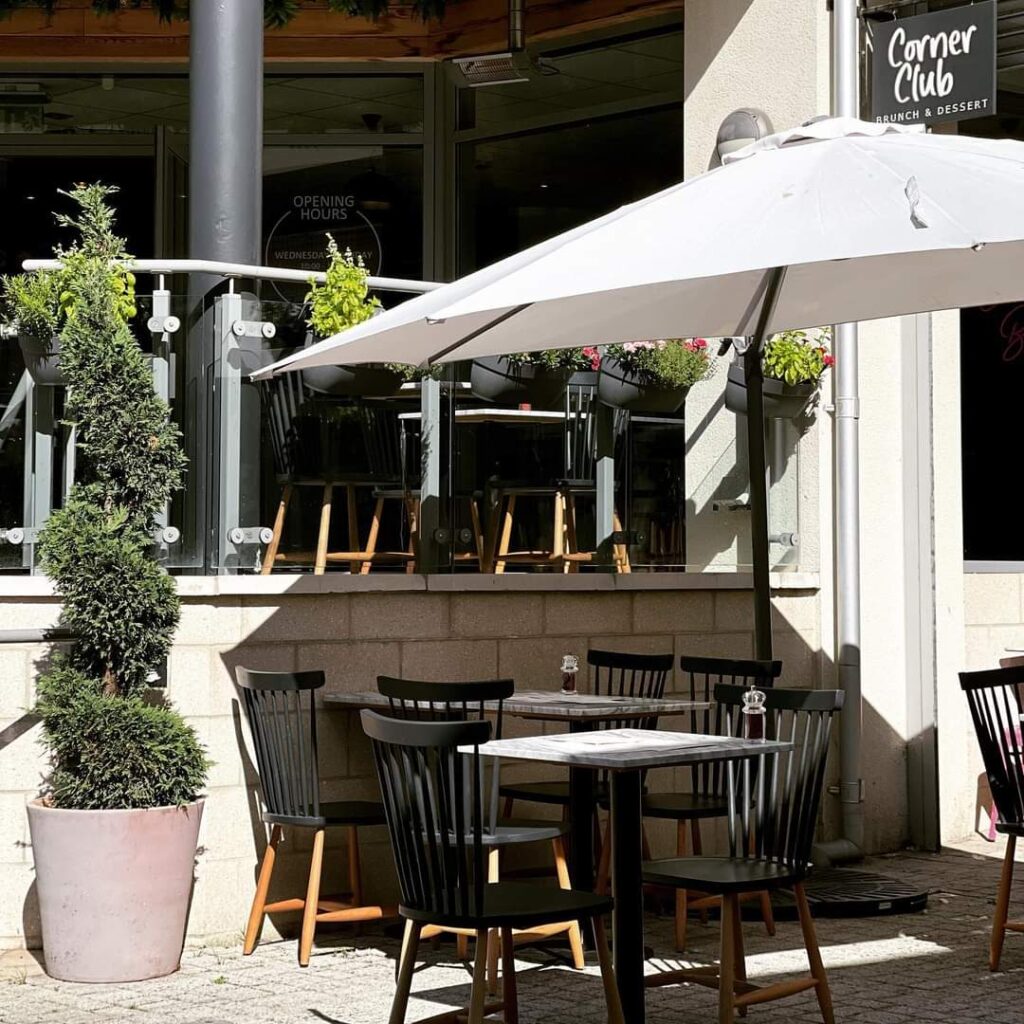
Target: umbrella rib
(473,335)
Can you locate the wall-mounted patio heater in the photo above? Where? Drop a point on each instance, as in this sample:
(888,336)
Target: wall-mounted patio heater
(514,65)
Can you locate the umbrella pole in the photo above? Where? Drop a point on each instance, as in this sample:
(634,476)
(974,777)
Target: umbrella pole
(757,462)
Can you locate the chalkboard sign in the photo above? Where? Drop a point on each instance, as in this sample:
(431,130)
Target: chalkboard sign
(934,67)
(992,388)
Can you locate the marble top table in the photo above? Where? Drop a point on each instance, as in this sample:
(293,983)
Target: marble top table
(626,754)
(577,710)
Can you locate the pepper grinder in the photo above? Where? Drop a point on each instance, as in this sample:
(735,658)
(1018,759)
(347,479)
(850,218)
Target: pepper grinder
(753,714)
(570,666)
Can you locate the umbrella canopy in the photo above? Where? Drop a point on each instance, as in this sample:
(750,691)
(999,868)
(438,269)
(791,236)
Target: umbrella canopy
(868,221)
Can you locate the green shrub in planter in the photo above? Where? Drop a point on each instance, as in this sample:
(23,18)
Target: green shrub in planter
(115,834)
(97,549)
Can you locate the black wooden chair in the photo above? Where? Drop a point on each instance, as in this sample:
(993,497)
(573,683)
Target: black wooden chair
(614,674)
(434,801)
(996,699)
(281,711)
(463,702)
(706,799)
(772,813)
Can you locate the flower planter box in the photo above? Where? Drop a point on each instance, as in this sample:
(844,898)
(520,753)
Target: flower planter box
(370,381)
(494,379)
(114,889)
(42,359)
(781,401)
(621,388)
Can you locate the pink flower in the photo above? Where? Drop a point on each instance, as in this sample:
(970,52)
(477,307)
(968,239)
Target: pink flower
(696,345)
(591,353)
(828,360)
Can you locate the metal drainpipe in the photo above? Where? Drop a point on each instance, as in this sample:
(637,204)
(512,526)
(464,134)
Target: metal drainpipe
(846,103)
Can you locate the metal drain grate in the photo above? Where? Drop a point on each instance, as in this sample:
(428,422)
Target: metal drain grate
(844,892)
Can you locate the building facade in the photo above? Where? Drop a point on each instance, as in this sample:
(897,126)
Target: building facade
(370,133)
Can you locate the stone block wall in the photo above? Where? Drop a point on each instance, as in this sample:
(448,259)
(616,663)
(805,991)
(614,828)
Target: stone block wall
(415,632)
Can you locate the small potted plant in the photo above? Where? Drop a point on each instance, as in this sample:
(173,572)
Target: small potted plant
(539,378)
(794,364)
(341,302)
(38,305)
(652,376)
(114,834)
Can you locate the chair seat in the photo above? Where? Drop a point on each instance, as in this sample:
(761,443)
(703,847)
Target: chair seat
(683,806)
(548,792)
(718,874)
(511,831)
(1010,828)
(339,812)
(518,905)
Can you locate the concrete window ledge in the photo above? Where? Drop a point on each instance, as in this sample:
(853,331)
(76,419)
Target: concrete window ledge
(267,586)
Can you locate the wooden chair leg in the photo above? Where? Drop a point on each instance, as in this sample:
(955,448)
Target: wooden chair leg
(462,947)
(371,537)
(510,802)
(562,870)
(316,864)
(558,531)
(822,990)
(494,937)
(412,510)
(506,534)
(741,959)
(259,901)
(353,525)
(571,537)
(1002,905)
(622,564)
(478,998)
(727,968)
(479,544)
(604,958)
(645,844)
(767,914)
(323,537)
(270,556)
(681,893)
(355,873)
(410,946)
(509,994)
(604,865)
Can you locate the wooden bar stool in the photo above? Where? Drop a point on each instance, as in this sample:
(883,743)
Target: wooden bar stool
(281,711)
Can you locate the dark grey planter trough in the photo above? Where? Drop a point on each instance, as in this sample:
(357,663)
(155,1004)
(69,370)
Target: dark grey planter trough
(781,401)
(619,387)
(494,379)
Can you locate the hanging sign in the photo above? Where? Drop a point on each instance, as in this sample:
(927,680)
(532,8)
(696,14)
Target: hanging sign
(934,67)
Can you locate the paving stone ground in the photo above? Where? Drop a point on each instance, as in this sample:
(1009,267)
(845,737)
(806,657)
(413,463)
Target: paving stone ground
(928,967)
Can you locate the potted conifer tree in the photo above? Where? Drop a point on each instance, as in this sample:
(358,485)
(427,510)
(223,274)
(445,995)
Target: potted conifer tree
(114,834)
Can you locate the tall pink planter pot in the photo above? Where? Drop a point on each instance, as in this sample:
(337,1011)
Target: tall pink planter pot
(114,889)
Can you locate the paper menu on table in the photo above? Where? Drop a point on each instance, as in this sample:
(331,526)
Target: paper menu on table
(609,740)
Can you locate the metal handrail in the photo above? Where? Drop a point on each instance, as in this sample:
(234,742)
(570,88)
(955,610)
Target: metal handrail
(48,635)
(244,270)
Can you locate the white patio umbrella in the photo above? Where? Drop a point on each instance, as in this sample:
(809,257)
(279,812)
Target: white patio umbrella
(837,221)
(867,220)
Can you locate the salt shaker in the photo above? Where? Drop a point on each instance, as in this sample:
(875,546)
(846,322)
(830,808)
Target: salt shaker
(570,666)
(753,714)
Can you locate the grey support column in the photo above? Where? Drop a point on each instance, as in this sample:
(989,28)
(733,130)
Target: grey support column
(225,207)
(226,130)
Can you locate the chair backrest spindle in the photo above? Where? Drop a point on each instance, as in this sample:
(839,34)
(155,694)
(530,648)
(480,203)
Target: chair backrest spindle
(433,805)
(281,710)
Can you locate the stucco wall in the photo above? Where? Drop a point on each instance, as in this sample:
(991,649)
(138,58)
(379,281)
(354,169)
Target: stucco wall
(353,637)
